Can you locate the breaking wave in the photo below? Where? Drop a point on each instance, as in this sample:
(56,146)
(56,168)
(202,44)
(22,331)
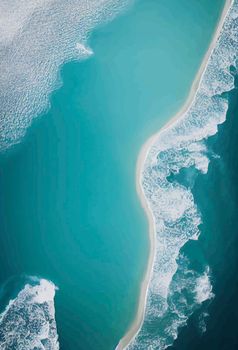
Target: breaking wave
(176,290)
(28,321)
(37,37)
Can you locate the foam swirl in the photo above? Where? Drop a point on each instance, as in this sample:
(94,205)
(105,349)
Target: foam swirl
(175,290)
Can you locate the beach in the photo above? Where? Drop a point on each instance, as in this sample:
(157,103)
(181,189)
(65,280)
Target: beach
(70,212)
(137,323)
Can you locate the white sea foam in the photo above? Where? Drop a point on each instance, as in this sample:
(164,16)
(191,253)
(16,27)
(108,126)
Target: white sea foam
(37,37)
(203,288)
(175,291)
(28,321)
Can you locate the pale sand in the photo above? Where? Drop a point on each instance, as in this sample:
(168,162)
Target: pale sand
(138,321)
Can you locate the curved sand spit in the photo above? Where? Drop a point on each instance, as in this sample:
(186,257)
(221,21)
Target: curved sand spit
(138,321)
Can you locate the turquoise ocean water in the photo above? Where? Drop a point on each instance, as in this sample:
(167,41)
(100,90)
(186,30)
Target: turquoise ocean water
(69,208)
(189,180)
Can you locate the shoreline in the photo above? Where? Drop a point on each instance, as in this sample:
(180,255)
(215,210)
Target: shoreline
(139,318)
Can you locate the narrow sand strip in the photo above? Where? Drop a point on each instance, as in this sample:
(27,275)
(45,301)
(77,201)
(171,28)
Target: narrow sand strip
(138,321)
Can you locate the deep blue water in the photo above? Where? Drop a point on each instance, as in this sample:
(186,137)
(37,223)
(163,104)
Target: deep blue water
(216,194)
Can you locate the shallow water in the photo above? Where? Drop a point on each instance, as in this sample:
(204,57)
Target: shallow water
(69,208)
(182,155)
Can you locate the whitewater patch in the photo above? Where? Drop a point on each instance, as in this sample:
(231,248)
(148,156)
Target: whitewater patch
(28,321)
(176,290)
(38,37)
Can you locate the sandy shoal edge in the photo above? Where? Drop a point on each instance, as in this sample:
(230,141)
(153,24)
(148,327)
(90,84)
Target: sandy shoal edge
(138,321)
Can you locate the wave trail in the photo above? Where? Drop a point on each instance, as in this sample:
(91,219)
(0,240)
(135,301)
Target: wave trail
(28,321)
(175,290)
(37,37)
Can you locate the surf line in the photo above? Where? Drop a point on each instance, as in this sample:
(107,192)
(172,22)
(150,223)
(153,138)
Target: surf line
(137,323)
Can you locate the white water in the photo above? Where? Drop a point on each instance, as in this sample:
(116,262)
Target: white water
(175,291)
(28,321)
(37,37)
